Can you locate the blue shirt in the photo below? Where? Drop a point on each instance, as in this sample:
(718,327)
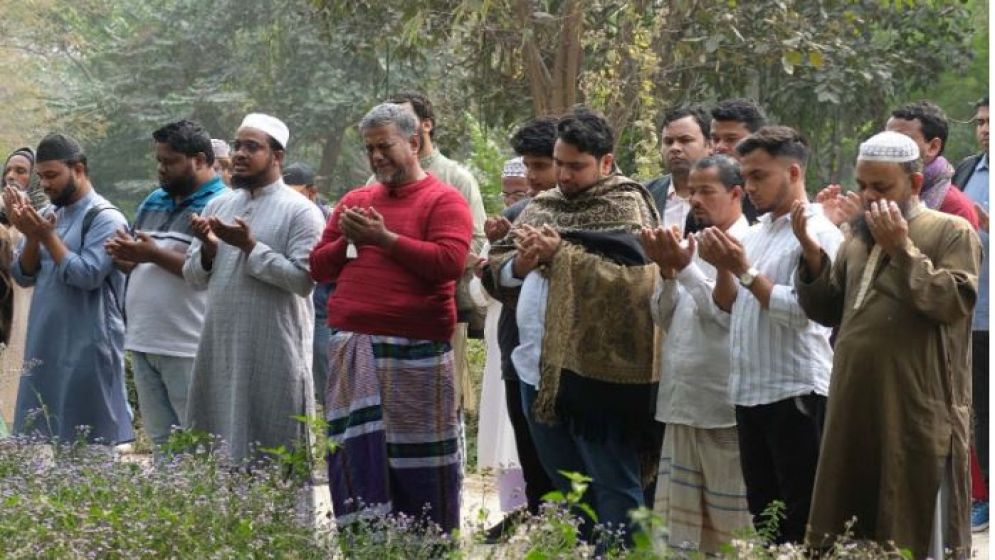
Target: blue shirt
(74,353)
(977,190)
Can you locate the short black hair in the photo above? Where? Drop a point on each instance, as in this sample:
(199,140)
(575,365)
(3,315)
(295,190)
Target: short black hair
(983,102)
(587,130)
(934,122)
(535,138)
(187,138)
(727,168)
(741,110)
(778,141)
(697,111)
(420,103)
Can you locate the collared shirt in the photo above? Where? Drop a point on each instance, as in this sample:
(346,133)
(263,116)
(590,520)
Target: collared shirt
(531,316)
(694,363)
(165,313)
(977,190)
(778,353)
(677,209)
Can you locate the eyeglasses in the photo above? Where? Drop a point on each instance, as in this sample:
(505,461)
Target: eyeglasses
(250,146)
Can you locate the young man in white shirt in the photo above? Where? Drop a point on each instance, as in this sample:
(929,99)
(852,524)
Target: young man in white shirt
(780,360)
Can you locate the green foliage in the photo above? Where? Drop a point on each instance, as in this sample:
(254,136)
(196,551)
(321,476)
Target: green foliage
(84,504)
(488,152)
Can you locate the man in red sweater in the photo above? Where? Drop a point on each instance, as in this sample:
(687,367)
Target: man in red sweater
(394,249)
(927,124)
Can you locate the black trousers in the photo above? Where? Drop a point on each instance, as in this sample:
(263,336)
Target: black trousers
(979,390)
(537,483)
(779,450)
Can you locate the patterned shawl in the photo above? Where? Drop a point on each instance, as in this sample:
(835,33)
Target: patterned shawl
(598,324)
(936,182)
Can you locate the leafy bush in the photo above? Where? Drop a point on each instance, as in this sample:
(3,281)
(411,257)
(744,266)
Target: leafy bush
(82,502)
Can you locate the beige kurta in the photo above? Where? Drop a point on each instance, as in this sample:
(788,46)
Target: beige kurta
(900,397)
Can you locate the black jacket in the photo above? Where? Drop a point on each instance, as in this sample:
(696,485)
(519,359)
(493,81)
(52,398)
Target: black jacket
(964,171)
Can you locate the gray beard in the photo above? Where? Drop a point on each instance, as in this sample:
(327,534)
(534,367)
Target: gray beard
(860,229)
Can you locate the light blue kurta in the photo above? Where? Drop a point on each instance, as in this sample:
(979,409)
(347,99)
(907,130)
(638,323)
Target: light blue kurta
(74,355)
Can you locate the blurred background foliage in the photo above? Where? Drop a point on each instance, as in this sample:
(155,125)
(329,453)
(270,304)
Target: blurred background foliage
(111,71)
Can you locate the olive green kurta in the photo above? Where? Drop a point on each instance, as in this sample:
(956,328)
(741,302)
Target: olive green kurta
(900,397)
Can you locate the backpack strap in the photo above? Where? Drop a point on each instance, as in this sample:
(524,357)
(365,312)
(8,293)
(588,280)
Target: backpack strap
(91,214)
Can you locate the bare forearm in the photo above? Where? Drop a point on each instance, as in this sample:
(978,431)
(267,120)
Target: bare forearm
(170,260)
(55,247)
(30,257)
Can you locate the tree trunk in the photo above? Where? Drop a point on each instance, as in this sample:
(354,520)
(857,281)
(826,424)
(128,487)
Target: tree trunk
(570,51)
(538,74)
(330,152)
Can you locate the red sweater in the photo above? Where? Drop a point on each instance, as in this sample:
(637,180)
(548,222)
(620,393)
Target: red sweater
(407,291)
(957,203)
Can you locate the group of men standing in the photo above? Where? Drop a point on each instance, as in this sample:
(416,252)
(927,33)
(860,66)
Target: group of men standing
(706,345)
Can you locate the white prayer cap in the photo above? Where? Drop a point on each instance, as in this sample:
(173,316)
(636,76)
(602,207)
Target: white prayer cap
(220,148)
(270,125)
(514,168)
(889,146)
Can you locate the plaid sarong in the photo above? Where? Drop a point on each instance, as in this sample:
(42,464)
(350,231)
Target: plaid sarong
(390,407)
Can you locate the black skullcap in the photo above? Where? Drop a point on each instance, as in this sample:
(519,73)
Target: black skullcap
(298,174)
(58,147)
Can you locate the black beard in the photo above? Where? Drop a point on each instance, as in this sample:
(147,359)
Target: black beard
(66,198)
(253,181)
(860,229)
(181,186)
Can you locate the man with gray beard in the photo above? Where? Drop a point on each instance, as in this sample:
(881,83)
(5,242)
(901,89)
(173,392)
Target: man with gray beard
(901,291)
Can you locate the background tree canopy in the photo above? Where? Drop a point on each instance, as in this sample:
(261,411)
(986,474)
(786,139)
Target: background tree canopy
(111,71)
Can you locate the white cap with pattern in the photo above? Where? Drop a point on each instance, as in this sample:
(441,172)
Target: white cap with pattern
(889,146)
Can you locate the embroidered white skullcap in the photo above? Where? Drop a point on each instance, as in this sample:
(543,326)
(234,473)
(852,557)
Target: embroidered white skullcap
(514,167)
(889,146)
(270,125)
(220,148)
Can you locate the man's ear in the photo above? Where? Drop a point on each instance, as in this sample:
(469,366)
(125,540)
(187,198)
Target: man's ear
(607,164)
(933,147)
(415,142)
(795,172)
(280,156)
(736,193)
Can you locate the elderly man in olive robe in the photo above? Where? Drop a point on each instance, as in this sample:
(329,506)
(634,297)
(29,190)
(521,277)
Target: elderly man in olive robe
(902,291)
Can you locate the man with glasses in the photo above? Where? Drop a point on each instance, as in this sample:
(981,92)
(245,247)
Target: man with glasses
(252,373)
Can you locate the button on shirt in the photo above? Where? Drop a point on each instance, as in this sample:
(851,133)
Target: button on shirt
(694,364)
(778,353)
(977,190)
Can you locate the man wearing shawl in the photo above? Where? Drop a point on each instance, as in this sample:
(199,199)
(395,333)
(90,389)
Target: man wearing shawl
(927,125)
(74,384)
(901,291)
(394,250)
(252,372)
(575,267)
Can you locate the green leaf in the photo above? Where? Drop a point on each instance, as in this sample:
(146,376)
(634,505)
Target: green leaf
(816,59)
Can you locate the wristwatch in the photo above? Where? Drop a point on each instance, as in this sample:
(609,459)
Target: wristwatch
(746,279)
